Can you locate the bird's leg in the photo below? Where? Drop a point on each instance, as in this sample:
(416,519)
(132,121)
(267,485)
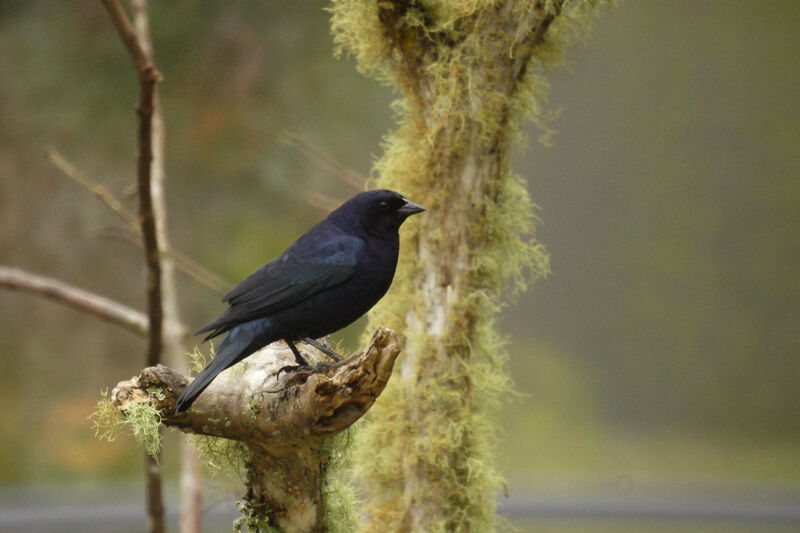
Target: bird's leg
(324,349)
(301,362)
(297,357)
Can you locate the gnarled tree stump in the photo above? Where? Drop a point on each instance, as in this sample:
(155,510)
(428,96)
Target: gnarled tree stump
(281,418)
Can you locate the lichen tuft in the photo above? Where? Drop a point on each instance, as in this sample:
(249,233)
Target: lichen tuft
(340,499)
(106,420)
(220,455)
(142,419)
(253,519)
(198,360)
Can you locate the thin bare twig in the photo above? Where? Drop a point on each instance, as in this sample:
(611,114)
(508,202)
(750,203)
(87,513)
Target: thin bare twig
(344,173)
(88,302)
(191,482)
(182,262)
(186,264)
(148,77)
(191,268)
(325,203)
(126,32)
(60,162)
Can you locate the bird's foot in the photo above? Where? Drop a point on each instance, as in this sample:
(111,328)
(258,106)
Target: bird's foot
(291,369)
(297,357)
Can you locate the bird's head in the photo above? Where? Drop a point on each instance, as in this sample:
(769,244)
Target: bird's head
(380,213)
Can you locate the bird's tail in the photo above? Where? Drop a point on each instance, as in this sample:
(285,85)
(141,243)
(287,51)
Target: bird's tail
(237,345)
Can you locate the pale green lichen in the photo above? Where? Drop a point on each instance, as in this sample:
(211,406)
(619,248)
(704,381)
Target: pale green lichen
(220,455)
(107,421)
(198,360)
(340,500)
(217,454)
(142,419)
(465,94)
(255,405)
(155,392)
(252,520)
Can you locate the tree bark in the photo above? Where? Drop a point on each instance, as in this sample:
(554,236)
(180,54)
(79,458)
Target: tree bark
(469,73)
(281,418)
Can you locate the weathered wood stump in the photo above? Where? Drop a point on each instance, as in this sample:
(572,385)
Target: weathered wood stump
(281,418)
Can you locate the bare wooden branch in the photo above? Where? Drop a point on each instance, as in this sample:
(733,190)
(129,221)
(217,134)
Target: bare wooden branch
(126,32)
(196,271)
(151,248)
(141,27)
(82,300)
(191,492)
(88,302)
(322,202)
(281,417)
(148,77)
(182,262)
(69,170)
(155,179)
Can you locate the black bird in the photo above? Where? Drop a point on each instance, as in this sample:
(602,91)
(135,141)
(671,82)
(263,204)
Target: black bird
(324,281)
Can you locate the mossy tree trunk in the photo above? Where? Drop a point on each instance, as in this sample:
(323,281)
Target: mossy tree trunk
(468,73)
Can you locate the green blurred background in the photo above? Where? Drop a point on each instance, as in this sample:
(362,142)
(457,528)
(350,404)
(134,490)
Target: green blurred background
(662,353)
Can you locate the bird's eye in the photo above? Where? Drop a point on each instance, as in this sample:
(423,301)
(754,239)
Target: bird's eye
(383,205)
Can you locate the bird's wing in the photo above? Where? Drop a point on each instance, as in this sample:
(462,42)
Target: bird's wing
(289,279)
(271,289)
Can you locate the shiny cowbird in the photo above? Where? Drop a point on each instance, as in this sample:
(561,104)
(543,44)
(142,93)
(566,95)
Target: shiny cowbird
(324,281)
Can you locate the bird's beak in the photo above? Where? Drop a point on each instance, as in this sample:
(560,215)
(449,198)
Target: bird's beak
(410,208)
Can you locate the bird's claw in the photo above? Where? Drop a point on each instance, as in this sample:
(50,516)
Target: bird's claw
(292,369)
(314,369)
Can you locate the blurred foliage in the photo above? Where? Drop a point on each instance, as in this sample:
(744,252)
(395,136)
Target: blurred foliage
(665,342)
